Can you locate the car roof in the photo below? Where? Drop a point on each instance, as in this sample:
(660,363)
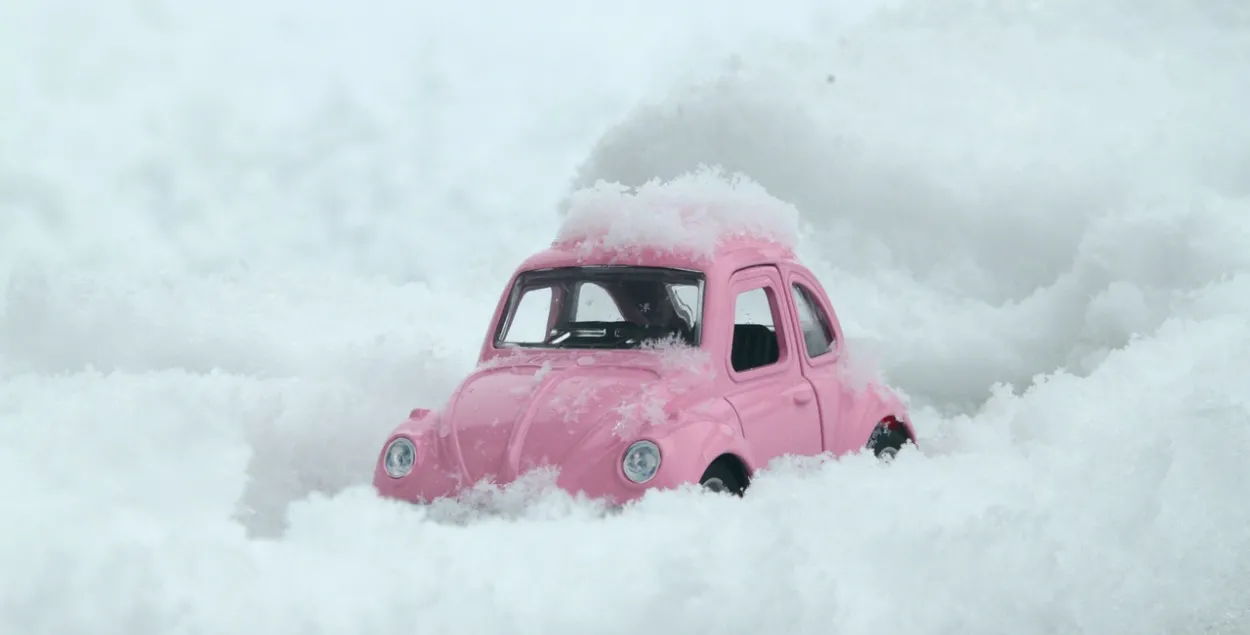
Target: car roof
(729,254)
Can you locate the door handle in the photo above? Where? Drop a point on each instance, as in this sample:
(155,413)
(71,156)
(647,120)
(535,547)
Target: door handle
(803,396)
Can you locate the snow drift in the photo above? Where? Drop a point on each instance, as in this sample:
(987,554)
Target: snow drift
(240,242)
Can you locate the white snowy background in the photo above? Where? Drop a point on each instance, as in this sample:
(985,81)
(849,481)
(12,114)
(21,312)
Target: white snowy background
(239,240)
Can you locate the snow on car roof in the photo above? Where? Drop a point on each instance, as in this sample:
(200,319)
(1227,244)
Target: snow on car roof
(695,215)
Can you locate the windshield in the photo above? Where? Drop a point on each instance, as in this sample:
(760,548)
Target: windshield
(614,307)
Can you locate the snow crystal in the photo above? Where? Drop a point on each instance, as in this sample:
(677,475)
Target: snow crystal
(640,411)
(693,213)
(680,361)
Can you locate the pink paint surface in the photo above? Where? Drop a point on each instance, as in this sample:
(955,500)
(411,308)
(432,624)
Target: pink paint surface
(578,410)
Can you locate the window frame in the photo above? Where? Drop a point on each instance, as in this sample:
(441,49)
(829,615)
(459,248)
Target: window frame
(743,281)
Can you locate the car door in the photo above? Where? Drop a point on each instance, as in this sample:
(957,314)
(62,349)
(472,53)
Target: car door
(775,402)
(820,344)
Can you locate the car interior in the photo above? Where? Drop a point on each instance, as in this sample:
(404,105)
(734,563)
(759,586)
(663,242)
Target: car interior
(754,345)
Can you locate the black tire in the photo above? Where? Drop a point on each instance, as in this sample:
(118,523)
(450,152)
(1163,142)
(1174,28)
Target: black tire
(887,439)
(720,478)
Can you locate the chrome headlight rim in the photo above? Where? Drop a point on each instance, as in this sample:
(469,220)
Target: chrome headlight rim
(641,446)
(402,470)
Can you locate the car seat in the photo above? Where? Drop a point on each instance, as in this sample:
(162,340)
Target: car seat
(754,345)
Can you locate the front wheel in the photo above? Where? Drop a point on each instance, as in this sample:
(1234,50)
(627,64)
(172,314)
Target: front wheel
(720,479)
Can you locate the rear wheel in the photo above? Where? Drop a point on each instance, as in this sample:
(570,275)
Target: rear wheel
(888,438)
(720,478)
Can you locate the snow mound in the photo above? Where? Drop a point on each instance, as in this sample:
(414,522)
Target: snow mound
(694,214)
(240,241)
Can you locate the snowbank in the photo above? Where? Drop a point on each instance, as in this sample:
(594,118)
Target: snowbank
(239,242)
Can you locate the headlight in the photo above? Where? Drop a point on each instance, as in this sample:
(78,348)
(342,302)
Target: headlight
(399,457)
(642,461)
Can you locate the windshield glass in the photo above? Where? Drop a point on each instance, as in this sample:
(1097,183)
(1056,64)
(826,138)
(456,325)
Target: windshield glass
(613,307)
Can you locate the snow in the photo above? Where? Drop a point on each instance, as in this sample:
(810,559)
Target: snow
(693,214)
(679,361)
(240,241)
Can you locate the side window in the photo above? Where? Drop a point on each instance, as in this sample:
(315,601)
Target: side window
(594,304)
(755,342)
(817,330)
(529,324)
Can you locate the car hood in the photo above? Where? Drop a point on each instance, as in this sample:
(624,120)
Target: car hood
(507,420)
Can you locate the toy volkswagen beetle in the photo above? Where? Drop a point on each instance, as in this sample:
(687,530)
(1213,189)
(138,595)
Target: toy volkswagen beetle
(645,368)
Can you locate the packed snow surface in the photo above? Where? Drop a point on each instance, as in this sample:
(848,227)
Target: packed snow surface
(241,240)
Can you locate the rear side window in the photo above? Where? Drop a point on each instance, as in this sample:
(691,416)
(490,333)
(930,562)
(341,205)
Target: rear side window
(817,330)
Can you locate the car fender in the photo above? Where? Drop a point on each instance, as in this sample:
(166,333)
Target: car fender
(417,427)
(873,405)
(419,421)
(687,450)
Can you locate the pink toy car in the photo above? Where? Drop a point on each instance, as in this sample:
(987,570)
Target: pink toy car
(646,368)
